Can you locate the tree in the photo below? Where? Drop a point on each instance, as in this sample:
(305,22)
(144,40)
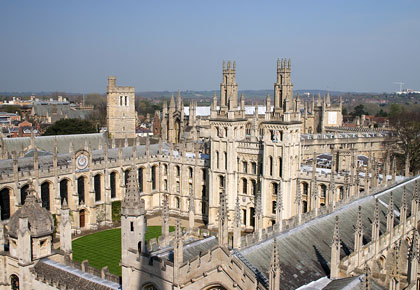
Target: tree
(359,110)
(70,126)
(407,127)
(381,113)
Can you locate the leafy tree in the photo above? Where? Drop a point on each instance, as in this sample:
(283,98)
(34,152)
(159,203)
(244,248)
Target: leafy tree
(344,111)
(381,113)
(70,126)
(359,110)
(407,127)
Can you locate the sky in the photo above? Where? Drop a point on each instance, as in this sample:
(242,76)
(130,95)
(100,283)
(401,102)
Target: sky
(73,46)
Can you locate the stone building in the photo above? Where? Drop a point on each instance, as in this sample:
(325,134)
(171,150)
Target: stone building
(244,175)
(121,112)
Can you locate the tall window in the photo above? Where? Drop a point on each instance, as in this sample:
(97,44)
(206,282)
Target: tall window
(274,188)
(126,174)
(177,187)
(81,189)
(271,164)
(154,177)
(204,173)
(217,160)
(221,181)
(177,202)
(254,167)
(141,178)
(23,193)
(244,186)
(64,190)
(226,160)
(254,187)
(274,206)
(126,100)
(45,195)
(97,187)
(190,172)
(245,166)
(113,185)
(178,171)
(281,167)
(5,203)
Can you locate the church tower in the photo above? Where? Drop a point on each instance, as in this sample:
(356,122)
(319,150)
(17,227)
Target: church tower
(229,88)
(121,112)
(283,88)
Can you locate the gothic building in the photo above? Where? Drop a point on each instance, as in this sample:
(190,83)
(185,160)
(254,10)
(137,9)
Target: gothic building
(246,183)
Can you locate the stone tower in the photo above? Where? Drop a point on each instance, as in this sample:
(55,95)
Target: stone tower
(121,113)
(283,87)
(229,88)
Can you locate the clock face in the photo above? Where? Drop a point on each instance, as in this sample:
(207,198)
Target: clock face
(82,162)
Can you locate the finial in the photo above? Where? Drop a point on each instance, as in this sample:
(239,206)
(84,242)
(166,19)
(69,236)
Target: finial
(224,64)
(234,65)
(228,65)
(289,65)
(278,63)
(237,212)
(336,236)
(376,213)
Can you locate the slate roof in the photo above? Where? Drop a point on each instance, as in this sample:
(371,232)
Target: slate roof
(73,278)
(305,250)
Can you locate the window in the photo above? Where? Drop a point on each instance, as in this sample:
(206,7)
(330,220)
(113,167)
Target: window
(154,177)
(132,226)
(97,187)
(45,195)
(121,100)
(221,181)
(177,186)
(245,166)
(226,160)
(63,190)
(274,188)
(126,100)
(178,171)
(113,185)
(281,167)
(204,173)
(165,169)
(244,186)
(177,202)
(190,188)
(254,167)
(23,193)
(305,188)
(271,164)
(274,206)
(244,216)
(190,172)
(254,187)
(5,203)
(217,160)
(165,184)
(141,179)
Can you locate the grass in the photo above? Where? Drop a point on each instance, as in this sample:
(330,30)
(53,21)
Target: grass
(104,248)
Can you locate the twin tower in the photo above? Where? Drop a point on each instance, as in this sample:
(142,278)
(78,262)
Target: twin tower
(283,88)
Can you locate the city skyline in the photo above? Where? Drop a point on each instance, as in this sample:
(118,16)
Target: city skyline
(74,46)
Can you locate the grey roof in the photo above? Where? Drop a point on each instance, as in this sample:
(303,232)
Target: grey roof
(59,110)
(351,283)
(73,278)
(46,143)
(305,250)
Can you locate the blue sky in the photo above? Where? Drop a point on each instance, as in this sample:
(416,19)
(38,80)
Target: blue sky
(168,45)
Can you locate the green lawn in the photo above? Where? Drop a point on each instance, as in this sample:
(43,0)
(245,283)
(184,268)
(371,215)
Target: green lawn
(104,248)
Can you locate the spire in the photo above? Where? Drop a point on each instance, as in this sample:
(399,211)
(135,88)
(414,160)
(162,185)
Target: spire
(237,224)
(178,245)
(390,214)
(223,226)
(358,235)
(132,204)
(275,270)
(335,251)
(172,103)
(279,207)
(366,279)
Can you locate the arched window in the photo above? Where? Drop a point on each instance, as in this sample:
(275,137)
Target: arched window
(177,202)
(23,193)
(5,203)
(304,206)
(154,181)
(121,100)
(270,160)
(254,187)
(274,206)
(126,100)
(178,171)
(97,187)
(244,186)
(14,282)
(126,174)
(113,184)
(190,172)
(81,189)
(165,169)
(141,178)
(64,190)
(45,195)
(341,192)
